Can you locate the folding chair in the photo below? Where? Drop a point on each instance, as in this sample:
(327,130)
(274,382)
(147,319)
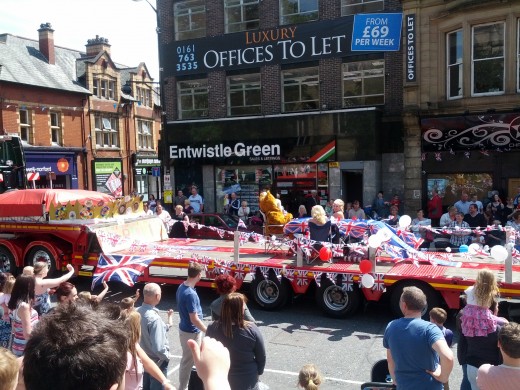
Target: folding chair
(321,233)
(273,235)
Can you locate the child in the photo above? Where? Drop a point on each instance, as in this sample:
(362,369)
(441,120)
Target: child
(477,318)
(438,317)
(9,369)
(127,304)
(309,377)
(5,322)
(94,299)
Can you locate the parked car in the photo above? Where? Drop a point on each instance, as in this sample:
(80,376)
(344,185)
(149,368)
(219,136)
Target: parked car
(222,221)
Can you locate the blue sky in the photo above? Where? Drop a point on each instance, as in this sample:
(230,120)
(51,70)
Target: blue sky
(128,25)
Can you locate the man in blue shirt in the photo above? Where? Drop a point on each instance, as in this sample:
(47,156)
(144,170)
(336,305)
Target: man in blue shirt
(196,201)
(153,334)
(417,353)
(191,326)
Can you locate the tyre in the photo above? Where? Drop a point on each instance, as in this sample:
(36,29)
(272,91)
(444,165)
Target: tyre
(433,298)
(40,253)
(336,301)
(269,294)
(7,261)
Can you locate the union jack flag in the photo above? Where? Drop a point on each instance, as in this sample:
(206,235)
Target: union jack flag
(352,227)
(120,268)
(379,282)
(348,282)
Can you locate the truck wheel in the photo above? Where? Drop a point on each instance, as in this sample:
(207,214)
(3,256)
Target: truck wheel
(336,301)
(432,297)
(268,294)
(40,253)
(7,261)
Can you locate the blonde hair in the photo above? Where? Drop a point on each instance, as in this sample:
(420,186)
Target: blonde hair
(309,377)
(340,203)
(86,295)
(9,368)
(318,213)
(485,288)
(132,321)
(28,270)
(9,283)
(179,207)
(39,266)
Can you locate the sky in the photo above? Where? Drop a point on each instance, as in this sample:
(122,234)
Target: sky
(129,26)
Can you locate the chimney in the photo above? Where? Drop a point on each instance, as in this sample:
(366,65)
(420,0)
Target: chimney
(46,40)
(97,45)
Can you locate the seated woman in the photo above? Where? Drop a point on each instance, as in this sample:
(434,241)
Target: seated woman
(393,218)
(302,212)
(338,209)
(319,225)
(180,223)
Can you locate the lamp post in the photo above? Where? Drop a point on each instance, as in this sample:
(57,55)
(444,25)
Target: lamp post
(163,156)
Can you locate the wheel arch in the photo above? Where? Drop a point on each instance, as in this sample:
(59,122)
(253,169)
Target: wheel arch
(16,251)
(55,251)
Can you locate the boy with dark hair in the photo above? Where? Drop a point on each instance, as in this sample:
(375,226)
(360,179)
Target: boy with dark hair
(438,317)
(75,348)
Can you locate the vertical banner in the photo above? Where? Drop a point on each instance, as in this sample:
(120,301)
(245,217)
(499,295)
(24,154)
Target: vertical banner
(411,53)
(108,177)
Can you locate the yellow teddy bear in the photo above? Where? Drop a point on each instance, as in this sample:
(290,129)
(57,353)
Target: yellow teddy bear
(273,213)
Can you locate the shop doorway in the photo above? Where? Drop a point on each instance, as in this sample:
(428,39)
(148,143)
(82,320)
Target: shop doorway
(352,186)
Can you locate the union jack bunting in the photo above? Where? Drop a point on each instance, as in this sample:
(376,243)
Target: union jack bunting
(298,225)
(301,278)
(348,282)
(241,224)
(379,282)
(120,268)
(351,227)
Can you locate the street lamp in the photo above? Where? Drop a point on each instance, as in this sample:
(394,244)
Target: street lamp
(162,154)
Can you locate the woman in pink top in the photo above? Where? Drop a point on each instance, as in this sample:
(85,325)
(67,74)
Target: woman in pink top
(137,360)
(23,316)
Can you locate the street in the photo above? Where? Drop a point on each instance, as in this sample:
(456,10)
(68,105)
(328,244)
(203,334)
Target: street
(343,349)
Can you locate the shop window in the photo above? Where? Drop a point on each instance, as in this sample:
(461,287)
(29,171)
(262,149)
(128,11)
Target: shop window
(107,132)
(193,98)
(352,7)
(144,134)
(488,59)
(364,83)
(301,89)
(26,128)
(241,15)
(454,56)
(244,94)
(190,19)
(56,132)
(298,11)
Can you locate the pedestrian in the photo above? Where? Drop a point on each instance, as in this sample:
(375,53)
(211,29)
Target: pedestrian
(309,377)
(191,326)
(417,353)
(196,200)
(234,204)
(435,208)
(226,284)
(179,199)
(380,206)
(438,317)
(154,340)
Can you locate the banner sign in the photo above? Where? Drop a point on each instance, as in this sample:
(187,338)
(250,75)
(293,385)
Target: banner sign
(280,45)
(497,132)
(377,32)
(411,52)
(280,150)
(108,177)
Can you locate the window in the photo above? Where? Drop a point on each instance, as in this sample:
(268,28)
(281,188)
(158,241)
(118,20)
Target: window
(104,88)
(144,96)
(241,15)
(244,94)
(107,133)
(454,71)
(26,132)
(190,19)
(56,134)
(488,59)
(301,89)
(364,83)
(144,134)
(193,98)
(298,11)
(352,7)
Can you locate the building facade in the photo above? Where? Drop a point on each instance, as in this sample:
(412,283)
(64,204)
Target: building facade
(274,93)
(461,99)
(85,121)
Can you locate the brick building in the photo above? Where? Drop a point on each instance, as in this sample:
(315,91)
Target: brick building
(91,121)
(461,99)
(270,92)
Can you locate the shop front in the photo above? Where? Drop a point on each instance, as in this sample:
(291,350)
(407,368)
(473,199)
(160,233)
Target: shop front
(476,154)
(62,164)
(147,170)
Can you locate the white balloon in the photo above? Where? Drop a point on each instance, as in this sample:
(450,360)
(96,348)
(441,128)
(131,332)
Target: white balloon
(448,249)
(374,241)
(473,248)
(367,281)
(384,235)
(405,221)
(499,253)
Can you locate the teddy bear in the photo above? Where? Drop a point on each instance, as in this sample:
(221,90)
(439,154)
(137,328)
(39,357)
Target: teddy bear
(273,213)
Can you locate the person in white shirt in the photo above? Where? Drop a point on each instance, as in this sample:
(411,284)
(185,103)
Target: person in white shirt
(164,216)
(243,211)
(196,201)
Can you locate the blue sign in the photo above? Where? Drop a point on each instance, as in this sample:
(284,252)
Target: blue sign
(156,171)
(376,32)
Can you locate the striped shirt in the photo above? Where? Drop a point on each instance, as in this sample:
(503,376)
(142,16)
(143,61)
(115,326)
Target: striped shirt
(19,340)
